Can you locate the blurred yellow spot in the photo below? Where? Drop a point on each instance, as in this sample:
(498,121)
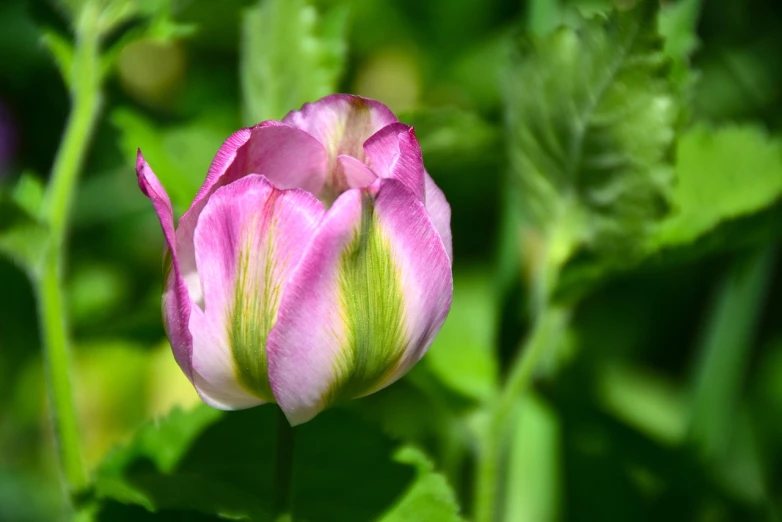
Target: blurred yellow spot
(167,385)
(151,71)
(391,76)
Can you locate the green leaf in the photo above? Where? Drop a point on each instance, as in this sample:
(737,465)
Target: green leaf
(722,174)
(216,463)
(290,54)
(533,488)
(544,16)
(428,498)
(23,237)
(725,350)
(678,25)
(28,193)
(161,442)
(462,356)
(644,400)
(179,155)
(591,115)
(62,52)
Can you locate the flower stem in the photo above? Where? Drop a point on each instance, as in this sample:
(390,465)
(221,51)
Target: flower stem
(85,94)
(283,470)
(546,332)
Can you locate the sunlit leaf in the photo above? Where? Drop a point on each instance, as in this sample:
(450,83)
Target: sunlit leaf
(721,174)
(28,193)
(429,498)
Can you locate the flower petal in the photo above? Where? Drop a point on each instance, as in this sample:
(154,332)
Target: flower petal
(176,302)
(249,238)
(342,122)
(287,156)
(355,173)
(394,153)
(370,293)
(440,212)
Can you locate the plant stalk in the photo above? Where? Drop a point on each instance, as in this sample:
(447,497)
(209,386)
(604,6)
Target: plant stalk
(86,101)
(547,331)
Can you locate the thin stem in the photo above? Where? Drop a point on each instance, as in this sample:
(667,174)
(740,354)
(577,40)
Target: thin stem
(85,94)
(726,348)
(283,470)
(547,331)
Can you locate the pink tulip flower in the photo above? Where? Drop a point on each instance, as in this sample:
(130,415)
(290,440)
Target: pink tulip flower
(314,264)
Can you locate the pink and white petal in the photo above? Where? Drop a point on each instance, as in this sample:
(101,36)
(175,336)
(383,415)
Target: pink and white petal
(248,239)
(213,374)
(424,265)
(356,174)
(342,122)
(440,213)
(312,348)
(221,164)
(394,153)
(176,302)
(287,156)
(309,337)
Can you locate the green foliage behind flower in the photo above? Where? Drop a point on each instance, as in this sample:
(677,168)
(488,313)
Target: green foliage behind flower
(615,177)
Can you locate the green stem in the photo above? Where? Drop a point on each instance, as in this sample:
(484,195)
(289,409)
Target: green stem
(546,332)
(85,94)
(283,470)
(726,348)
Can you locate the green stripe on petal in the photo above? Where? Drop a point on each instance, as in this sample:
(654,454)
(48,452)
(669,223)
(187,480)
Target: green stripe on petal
(255,304)
(372,308)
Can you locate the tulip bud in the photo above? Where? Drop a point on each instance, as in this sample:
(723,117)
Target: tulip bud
(314,264)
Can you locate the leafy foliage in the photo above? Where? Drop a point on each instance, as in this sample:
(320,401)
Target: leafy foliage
(639,179)
(212,463)
(721,174)
(291,54)
(591,115)
(22,234)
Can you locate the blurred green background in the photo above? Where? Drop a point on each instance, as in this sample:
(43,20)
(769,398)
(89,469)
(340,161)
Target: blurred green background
(662,398)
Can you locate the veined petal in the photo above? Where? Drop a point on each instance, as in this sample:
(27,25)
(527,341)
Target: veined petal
(249,237)
(342,123)
(425,268)
(364,304)
(287,156)
(440,212)
(176,302)
(394,153)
